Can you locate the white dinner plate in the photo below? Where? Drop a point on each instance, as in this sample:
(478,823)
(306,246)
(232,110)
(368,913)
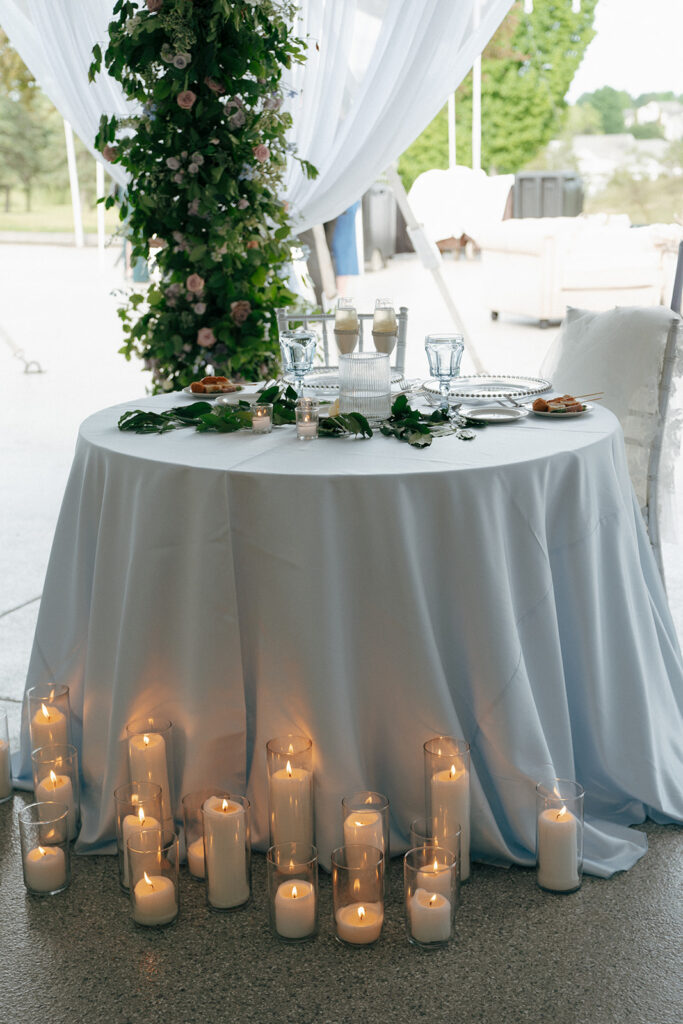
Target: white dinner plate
(562,415)
(494,414)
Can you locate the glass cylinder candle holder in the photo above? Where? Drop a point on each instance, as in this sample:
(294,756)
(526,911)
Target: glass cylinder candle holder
(5,762)
(384,326)
(358,894)
(49,715)
(153,877)
(559,835)
(227,851)
(262,418)
(365,384)
(45,852)
(430,896)
(365,822)
(137,806)
(307,422)
(447,795)
(194,829)
(55,778)
(150,757)
(293,891)
(422,835)
(289,761)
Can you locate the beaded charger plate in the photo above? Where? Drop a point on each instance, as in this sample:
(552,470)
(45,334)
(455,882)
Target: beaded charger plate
(488,385)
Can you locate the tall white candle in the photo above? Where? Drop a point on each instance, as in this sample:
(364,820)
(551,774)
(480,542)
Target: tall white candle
(5,771)
(133,825)
(195,858)
(364,827)
(295,909)
(58,788)
(225,852)
(291,805)
(558,866)
(154,900)
(45,868)
(430,916)
(48,726)
(435,878)
(147,763)
(360,923)
(450,793)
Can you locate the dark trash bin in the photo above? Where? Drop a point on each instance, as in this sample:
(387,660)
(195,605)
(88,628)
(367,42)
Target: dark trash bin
(547,194)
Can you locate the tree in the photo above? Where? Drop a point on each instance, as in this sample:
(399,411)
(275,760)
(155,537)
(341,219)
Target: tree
(610,104)
(527,69)
(26,142)
(16,81)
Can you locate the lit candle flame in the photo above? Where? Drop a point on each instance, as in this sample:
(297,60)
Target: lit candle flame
(289,769)
(42,852)
(291,864)
(225,806)
(148,879)
(453,771)
(360,823)
(432,900)
(294,892)
(141,815)
(45,711)
(436,865)
(563,811)
(53,779)
(361,913)
(368,799)
(290,749)
(145,740)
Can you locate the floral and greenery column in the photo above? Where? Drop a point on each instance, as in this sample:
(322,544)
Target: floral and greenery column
(205,151)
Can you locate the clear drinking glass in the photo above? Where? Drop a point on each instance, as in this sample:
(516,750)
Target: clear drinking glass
(447,793)
(5,763)
(358,894)
(346,326)
(262,418)
(153,873)
(384,326)
(138,806)
(365,384)
(298,351)
(293,890)
(559,835)
(55,778)
(49,715)
(444,352)
(430,886)
(45,854)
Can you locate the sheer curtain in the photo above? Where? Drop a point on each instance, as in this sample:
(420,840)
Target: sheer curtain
(377,72)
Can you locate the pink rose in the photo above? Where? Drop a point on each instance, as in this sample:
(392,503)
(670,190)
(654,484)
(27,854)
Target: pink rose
(240,310)
(205,337)
(195,283)
(214,86)
(243,204)
(272,102)
(186,100)
(110,153)
(262,153)
(154,5)
(200,308)
(253,244)
(237,119)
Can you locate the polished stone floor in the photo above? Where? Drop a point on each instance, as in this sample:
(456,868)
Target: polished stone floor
(607,954)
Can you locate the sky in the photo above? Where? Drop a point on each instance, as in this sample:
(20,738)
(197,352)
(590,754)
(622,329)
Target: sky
(638,47)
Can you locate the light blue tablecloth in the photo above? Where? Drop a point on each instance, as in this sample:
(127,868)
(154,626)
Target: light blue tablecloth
(370,596)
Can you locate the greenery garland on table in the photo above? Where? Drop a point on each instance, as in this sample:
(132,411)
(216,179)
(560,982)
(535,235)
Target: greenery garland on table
(404,423)
(206,153)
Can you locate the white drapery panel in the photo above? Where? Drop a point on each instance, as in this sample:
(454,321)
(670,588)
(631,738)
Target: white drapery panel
(380,72)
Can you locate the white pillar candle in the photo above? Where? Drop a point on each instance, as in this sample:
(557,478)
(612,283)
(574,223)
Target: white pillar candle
(430,916)
(558,863)
(147,763)
(360,923)
(48,726)
(435,878)
(45,868)
(295,909)
(195,858)
(154,900)
(307,429)
(58,788)
(133,825)
(5,771)
(291,805)
(261,424)
(364,827)
(226,854)
(450,792)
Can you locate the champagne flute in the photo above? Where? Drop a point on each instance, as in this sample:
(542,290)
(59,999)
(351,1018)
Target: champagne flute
(384,326)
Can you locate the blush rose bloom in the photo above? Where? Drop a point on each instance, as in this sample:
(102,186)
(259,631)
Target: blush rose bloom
(200,308)
(110,153)
(262,153)
(186,100)
(240,310)
(205,337)
(243,204)
(214,86)
(195,283)
(253,244)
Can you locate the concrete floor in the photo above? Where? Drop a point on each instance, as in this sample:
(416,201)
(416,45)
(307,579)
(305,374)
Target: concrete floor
(607,954)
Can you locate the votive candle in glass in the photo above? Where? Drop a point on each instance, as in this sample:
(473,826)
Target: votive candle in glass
(45,852)
(307,422)
(422,835)
(49,715)
(153,877)
(194,829)
(227,850)
(365,821)
(289,761)
(55,778)
(447,792)
(150,757)
(358,894)
(5,762)
(293,890)
(559,835)
(262,418)
(137,806)
(430,896)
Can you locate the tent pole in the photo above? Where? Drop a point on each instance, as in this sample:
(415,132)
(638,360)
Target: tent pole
(430,258)
(73,182)
(451,131)
(476,98)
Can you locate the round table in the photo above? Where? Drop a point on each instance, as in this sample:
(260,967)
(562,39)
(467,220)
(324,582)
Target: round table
(369,595)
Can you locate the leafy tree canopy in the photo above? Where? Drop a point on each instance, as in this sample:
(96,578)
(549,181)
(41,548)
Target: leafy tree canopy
(610,104)
(16,80)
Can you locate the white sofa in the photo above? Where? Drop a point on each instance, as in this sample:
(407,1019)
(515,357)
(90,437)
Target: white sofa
(536,267)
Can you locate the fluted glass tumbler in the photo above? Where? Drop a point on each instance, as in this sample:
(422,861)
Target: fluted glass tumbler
(365,384)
